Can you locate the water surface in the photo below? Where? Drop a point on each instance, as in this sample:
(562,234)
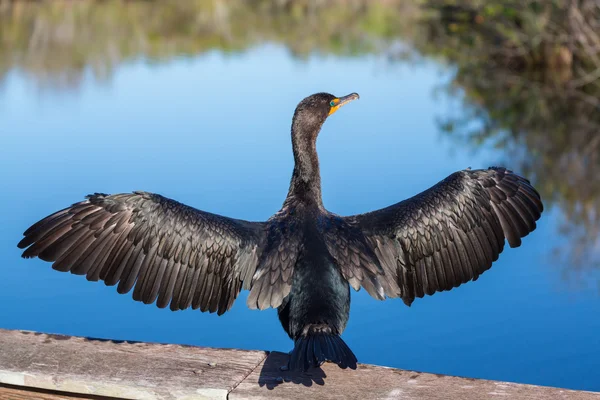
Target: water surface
(212,130)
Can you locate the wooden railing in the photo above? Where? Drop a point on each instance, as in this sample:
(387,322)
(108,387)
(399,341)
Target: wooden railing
(49,367)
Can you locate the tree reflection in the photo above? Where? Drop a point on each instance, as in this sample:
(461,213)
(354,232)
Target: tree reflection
(551,136)
(532,93)
(58,41)
(527,71)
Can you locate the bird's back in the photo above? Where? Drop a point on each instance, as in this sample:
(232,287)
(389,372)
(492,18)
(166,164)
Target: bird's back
(316,311)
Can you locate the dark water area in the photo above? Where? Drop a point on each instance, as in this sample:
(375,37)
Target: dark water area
(195,102)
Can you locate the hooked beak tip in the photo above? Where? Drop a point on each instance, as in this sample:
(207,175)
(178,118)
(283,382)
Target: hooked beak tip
(342,101)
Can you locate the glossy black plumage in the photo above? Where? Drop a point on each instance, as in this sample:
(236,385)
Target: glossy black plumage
(303,259)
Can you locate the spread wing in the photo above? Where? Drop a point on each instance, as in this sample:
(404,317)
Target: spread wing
(442,237)
(171,253)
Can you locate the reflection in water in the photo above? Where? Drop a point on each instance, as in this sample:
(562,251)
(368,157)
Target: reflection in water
(555,140)
(515,324)
(537,98)
(57,41)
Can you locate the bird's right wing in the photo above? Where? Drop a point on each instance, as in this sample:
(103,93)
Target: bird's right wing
(438,239)
(171,253)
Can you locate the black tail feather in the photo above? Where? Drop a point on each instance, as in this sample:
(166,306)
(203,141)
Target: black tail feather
(313,350)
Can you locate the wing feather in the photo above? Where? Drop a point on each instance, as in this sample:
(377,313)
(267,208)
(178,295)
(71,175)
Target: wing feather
(166,252)
(439,239)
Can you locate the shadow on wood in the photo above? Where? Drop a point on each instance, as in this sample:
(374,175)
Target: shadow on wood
(272,373)
(57,367)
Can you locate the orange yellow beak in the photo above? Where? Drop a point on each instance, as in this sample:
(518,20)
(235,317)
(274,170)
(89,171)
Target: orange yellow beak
(340,101)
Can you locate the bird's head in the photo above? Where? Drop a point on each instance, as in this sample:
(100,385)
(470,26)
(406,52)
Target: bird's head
(312,112)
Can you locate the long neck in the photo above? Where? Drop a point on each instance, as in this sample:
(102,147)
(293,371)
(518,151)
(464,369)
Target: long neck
(306,179)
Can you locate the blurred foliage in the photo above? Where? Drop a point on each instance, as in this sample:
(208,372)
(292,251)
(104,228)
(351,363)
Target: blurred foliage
(527,71)
(57,40)
(528,76)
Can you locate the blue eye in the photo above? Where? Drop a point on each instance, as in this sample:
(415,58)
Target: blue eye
(332,103)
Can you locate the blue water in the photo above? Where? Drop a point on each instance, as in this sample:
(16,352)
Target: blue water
(212,131)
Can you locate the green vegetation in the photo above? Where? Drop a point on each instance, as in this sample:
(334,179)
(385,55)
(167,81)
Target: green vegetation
(56,41)
(528,76)
(527,71)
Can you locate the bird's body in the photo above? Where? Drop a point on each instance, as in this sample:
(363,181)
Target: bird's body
(319,299)
(302,260)
(318,292)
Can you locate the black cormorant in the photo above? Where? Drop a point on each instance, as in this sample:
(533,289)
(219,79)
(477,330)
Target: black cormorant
(304,259)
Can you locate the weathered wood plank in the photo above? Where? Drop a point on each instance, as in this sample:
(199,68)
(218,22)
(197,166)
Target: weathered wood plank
(9,392)
(89,368)
(372,382)
(121,369)
(12,393)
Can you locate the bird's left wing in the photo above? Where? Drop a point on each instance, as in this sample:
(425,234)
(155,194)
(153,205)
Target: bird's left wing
(172,253)
(438,239)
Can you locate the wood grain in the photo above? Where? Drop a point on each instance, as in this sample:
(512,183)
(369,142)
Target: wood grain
(373,382)
(121,369)
(9,392)
(73,368)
